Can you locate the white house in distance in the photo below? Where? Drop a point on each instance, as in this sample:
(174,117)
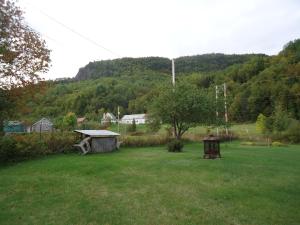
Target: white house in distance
(108,117)
(139,119)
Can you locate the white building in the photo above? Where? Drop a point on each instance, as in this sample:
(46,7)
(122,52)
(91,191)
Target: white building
(139,119)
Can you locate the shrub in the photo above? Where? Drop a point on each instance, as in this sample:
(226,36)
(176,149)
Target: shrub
(60,143)
(137,133)
(278,144)
(7,148)
(93,125)
(132,127)
(293,132)
(143,141)
(21,147)
(175,146)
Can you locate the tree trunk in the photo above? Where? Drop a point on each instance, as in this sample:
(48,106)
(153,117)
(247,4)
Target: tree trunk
(175,128)
(1,127)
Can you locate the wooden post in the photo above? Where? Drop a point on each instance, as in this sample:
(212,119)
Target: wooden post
(41,130)
(225,108)
(173,72)
(217,112)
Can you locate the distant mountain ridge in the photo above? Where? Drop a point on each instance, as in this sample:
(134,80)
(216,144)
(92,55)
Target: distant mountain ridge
(255,83)
(185,64)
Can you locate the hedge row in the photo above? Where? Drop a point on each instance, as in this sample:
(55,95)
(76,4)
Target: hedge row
(143,141)
(21,147)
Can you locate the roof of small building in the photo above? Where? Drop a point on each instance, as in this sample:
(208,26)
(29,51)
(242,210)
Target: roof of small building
(134,116)
(80,119)
(108,115)
(13,123)
(98,133)
(43,119)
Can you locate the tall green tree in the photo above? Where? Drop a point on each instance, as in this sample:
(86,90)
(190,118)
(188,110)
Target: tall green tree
(182,107)
(23,54)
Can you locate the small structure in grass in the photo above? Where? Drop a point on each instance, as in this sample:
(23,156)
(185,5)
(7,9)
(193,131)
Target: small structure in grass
(43,125)
(80,120)
(211,147)
(14,127)
(108,118)
(98,141)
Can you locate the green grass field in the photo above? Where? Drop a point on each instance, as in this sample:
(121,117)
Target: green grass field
(249,185)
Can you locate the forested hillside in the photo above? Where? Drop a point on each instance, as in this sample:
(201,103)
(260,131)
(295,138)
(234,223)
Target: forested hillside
(144,66)
(256,84)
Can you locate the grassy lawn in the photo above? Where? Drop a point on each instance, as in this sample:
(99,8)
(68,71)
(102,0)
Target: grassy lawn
(249,185)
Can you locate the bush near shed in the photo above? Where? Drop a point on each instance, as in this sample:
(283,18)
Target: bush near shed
(143,141)
(15,148)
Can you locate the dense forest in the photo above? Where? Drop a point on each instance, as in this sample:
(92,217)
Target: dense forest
(142,66)
(256,83)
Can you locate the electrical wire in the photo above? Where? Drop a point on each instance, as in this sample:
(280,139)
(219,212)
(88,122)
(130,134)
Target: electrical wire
(74,31)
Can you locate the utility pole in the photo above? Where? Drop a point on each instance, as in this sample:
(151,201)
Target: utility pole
(173,72)
(225,108)
(217,112)
(173,82)
(118,119)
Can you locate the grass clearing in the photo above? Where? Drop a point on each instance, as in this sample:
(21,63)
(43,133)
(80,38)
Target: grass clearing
(249,185)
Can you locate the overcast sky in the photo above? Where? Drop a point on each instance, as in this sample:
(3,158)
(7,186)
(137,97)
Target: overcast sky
(75,30)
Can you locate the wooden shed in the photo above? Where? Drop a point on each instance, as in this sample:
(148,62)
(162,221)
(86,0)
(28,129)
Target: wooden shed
(98,141)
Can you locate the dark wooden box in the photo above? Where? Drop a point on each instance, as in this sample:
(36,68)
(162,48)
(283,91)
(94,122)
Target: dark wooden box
(211,147)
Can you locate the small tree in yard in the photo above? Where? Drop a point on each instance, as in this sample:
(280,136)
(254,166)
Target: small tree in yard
(264,125)
(132,127)
(182,107)
(261,123)
(70,120)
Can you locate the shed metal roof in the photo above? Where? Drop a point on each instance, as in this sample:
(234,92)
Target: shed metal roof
(43,120)
(109,116)
(134,116)
(98,133)
(13,123)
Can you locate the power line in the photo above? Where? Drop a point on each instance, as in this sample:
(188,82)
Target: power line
(74,31)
